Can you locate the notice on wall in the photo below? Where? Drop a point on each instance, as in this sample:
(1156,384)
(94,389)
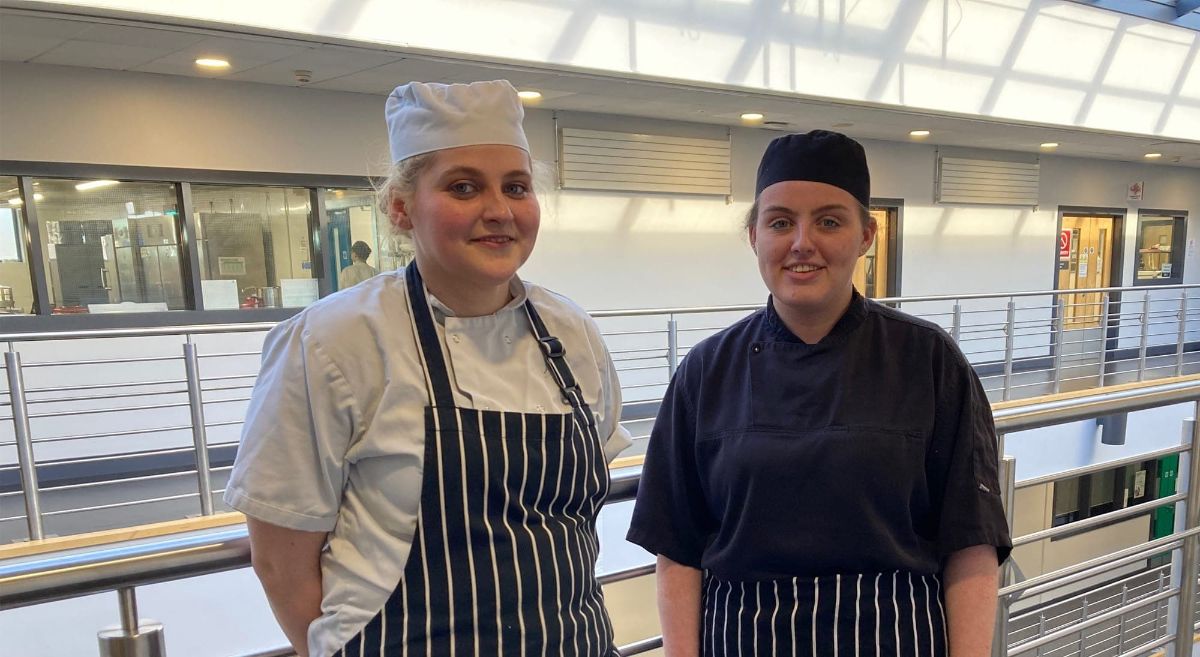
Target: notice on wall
(1136,191)
(1139,484)
(219,294)
(298,292)
(227,266)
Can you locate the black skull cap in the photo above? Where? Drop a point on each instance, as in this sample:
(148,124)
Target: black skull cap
(818,156)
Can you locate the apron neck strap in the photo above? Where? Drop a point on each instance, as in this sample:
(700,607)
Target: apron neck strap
(556,361)
(437,376)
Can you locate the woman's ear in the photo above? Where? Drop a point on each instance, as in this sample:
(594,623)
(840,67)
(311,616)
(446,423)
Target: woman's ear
(398,213)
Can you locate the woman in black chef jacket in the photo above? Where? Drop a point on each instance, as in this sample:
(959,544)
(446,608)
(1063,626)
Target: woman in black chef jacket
(821,478)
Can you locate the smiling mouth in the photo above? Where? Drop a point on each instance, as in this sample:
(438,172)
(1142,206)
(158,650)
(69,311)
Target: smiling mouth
(803,269)
(494,239)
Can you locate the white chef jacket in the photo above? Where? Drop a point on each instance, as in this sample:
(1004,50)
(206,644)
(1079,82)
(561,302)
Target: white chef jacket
(334,436)
(355,274)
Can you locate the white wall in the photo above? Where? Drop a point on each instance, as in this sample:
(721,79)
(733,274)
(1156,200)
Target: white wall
(653,250)
(1042,61)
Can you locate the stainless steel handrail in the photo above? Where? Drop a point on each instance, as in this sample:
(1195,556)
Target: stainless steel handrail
(72,575)
(1102,402)
(632,312)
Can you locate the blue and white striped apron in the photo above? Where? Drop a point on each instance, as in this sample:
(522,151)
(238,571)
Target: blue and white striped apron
(504,555)
(895,614)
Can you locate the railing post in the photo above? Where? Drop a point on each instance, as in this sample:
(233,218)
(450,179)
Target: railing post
(1009,337)
(199,432)
(1104,337)
(132,638)
(956,326)
(1008,493)
(25,456)
(1145,339)
(672,345)
(1121,618)
(1187,583)
(1059,341)
(1182,334)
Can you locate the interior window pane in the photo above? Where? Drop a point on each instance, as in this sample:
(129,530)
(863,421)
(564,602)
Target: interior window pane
(110,246)
(354,217)
(1066,497)
(254,246)
(1156,249)
(16,284)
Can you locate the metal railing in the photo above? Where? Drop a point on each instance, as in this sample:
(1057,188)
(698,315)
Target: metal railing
(129,445)
(124,568)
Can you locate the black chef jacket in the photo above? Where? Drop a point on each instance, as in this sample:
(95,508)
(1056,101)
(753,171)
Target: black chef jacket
(873,450)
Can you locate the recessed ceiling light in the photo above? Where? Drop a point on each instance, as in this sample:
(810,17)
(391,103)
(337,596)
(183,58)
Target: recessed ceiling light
(93,184)
(16,201)
(212,62)
(1153,156)
(918,133)
(1050,145)
(844,124)
(529,94)
(38,197)
(752,116)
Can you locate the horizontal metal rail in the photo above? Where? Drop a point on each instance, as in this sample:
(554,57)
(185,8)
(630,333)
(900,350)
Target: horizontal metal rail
(1102,402)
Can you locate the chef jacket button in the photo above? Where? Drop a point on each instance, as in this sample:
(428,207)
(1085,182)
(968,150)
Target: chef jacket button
(455,338)
(508,339)
(756,348)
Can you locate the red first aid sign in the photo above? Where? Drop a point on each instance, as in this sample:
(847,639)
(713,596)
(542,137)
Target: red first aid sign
(1064,244)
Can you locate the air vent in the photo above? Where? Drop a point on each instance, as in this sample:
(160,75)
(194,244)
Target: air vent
(620,161)
(986,182)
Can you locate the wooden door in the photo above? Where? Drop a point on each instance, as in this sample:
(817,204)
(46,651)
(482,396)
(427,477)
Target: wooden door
(871,272)
(1085,262)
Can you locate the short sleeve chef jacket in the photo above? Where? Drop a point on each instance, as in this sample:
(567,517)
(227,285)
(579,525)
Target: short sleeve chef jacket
(334,435)
(871,451)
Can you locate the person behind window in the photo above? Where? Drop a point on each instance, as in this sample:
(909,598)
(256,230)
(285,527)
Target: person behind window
(359,270)
(425,454)
(822,475)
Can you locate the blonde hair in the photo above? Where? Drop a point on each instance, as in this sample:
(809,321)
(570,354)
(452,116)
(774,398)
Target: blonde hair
(401,181)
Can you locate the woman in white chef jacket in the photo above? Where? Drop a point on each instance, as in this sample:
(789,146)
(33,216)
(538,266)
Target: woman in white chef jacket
(426,452)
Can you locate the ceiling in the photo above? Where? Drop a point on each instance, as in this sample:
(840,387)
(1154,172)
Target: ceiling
(125,45)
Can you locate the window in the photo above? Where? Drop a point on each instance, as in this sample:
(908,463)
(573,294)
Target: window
(16,284)
(354,217)
(1160,241)
(110,246)
(254,246)
(1104,492)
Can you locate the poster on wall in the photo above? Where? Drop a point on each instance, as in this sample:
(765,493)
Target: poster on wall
(227,266)
(1136,190)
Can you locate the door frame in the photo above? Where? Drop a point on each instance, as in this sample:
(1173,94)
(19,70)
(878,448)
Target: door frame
(1116,269)
(895,210)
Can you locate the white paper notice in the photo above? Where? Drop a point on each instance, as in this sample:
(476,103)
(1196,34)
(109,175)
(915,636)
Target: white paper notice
(219,294)
(298,292)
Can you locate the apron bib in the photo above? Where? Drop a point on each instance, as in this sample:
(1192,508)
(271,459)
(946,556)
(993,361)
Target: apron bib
(895,614)
(504,555)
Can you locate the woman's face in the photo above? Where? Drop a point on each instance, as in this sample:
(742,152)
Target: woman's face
(808,237)
(473,216)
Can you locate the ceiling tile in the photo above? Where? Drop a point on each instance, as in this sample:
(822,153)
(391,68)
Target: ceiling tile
(325,65)
(99,55)
(167,40)
(20,47)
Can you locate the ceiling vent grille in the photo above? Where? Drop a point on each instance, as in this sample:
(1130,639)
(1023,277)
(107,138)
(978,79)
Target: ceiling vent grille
(989,182)
(620,161)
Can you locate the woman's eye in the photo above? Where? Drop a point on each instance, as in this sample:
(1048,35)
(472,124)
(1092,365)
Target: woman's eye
(829,222)
(462,188)
(777,223)
(516,189)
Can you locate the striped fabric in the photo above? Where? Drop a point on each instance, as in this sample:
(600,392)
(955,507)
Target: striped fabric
(504,555)
(896,614)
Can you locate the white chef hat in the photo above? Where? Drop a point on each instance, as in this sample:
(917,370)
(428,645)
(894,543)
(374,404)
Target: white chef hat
(425,117)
